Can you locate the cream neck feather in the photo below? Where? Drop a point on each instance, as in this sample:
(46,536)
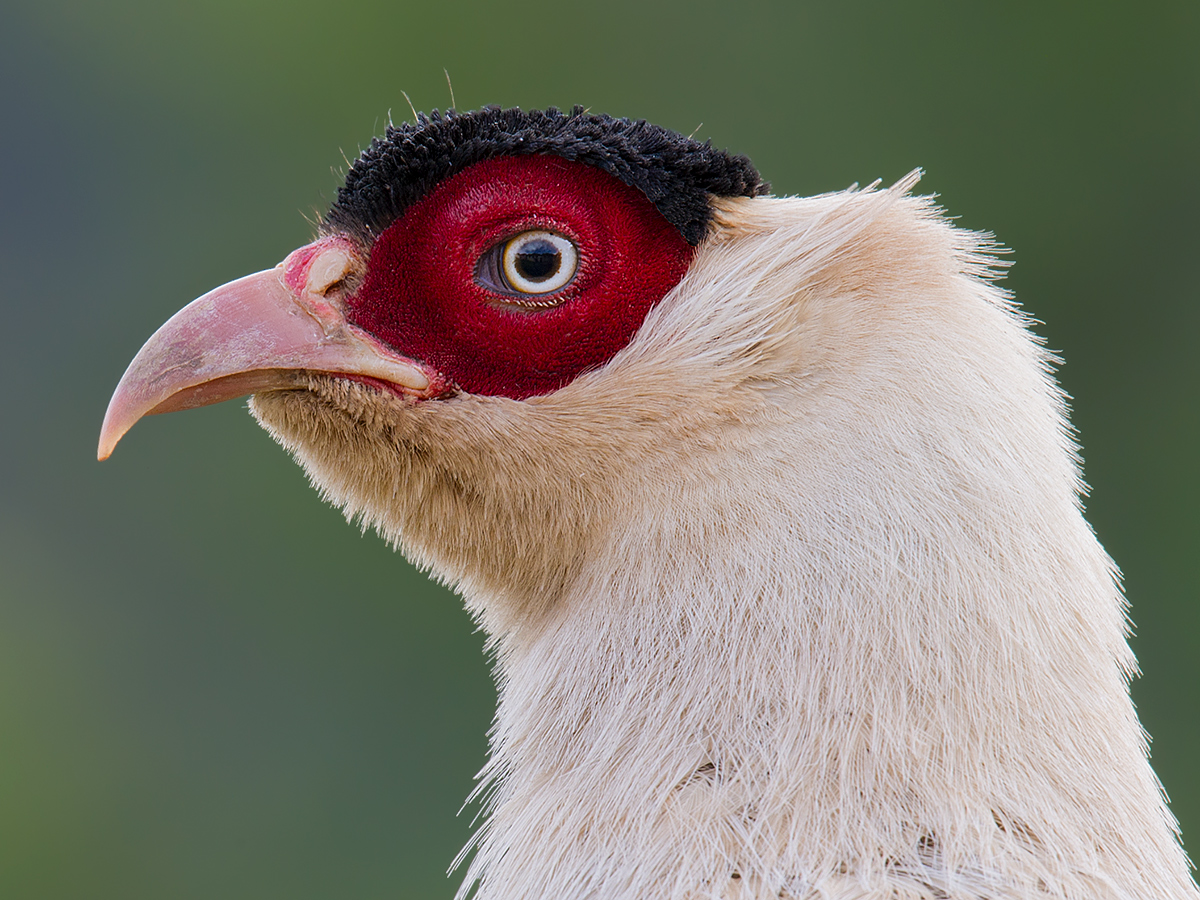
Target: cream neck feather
(794,598)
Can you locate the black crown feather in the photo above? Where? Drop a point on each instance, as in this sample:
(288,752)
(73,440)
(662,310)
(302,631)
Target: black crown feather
(677,174)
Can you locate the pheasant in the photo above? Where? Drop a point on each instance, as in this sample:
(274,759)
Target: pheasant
(768,505)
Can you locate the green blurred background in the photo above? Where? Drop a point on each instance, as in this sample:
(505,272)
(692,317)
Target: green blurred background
(210,685)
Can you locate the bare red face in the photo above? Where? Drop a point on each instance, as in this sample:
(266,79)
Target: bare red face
(475,279)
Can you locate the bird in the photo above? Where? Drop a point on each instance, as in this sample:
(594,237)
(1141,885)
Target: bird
(769,506)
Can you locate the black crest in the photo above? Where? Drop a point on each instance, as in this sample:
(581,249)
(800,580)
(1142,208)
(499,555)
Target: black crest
(677,174)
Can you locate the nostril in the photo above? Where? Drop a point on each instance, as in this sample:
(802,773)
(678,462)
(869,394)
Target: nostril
(318,267)
(328,269)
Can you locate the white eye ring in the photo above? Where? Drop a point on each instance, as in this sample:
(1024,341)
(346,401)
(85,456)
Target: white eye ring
(538,262)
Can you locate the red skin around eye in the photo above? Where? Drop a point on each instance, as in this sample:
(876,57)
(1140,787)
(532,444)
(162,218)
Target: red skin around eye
(421,297)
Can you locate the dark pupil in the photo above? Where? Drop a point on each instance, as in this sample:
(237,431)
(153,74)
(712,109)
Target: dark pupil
(538,260)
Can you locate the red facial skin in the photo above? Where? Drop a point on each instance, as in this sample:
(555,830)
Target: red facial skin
(421,295)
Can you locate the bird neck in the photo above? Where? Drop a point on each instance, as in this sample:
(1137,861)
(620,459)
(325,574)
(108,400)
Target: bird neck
(883,699)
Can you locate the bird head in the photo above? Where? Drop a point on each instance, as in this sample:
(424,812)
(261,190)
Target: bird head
(443,357)
(525,342)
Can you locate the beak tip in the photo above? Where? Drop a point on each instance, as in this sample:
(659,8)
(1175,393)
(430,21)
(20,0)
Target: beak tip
(111,433)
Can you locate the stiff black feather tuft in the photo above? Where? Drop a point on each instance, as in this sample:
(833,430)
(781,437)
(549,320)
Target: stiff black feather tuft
(677,174)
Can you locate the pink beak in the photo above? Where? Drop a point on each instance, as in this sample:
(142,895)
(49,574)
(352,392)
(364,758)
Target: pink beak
(258,333)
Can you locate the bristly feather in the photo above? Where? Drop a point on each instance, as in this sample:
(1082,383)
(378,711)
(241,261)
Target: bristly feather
(677,174)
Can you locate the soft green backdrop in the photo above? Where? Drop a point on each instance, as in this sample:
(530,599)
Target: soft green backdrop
(210,686)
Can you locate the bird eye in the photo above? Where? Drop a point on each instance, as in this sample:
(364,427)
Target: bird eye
(532,262)
(538,262)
